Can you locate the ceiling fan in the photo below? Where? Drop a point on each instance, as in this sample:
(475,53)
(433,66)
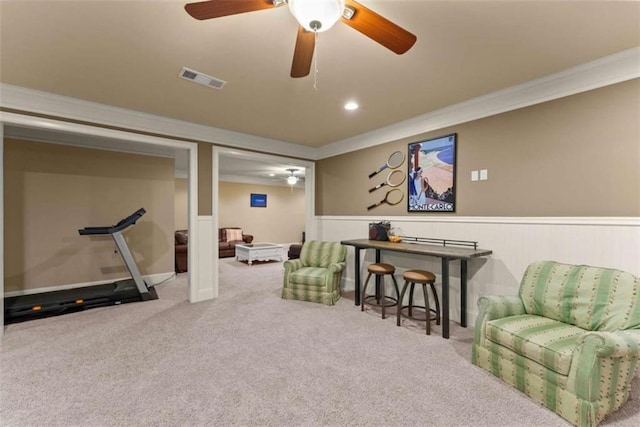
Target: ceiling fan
(292,179)
(314,16)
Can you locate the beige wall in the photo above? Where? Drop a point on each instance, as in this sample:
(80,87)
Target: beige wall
(282,221)
(181,208)
(204,178)
(575,156)
(51,191)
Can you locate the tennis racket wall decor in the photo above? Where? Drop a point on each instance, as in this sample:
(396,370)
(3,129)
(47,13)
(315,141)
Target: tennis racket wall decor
(395,179)
(393,197)
(395,160)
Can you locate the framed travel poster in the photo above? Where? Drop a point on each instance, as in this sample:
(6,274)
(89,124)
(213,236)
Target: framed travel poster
(432,175)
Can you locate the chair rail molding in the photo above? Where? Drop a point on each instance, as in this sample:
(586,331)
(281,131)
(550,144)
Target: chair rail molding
(578,220)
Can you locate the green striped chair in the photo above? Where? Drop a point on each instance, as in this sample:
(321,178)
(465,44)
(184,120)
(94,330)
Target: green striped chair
(315,276)
(570,339)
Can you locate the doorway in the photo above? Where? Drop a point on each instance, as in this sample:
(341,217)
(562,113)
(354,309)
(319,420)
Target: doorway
(40,129)
(238,166)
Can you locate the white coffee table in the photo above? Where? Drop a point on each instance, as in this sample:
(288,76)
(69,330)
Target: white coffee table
(259,252)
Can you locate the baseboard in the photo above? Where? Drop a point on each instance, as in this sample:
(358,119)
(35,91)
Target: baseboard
(150,279)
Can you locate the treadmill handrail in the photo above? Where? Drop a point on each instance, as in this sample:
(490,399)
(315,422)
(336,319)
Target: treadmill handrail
(121,225)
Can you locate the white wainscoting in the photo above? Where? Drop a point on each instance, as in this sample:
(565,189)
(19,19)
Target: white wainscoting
(204,286)
(515,242)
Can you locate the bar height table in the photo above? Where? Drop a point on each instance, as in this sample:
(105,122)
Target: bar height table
(445,253)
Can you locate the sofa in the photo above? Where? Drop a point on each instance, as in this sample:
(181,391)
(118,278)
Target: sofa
(296,248)
(316,275)
(228,238)
(570,339)
(226,247)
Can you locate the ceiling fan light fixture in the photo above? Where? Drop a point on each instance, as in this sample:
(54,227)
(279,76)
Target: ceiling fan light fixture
(348,12)
(292,179)
(317,15)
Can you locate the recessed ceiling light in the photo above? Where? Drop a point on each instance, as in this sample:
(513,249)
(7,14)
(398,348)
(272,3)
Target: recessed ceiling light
(351,105)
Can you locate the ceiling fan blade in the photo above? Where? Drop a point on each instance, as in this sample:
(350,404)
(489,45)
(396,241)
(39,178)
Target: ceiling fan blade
(217,8)
(379,29)
(303,53)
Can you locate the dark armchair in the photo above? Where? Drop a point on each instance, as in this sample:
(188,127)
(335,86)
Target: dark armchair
(294,250)
(181,257)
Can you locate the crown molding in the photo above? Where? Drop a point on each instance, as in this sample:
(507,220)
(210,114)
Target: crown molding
(616,68)
(64,107)
(238,179)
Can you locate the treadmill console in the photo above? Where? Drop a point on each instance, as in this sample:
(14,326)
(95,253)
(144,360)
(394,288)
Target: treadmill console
(110,229)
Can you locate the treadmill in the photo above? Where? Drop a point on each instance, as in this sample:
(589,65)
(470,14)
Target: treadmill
(34,306)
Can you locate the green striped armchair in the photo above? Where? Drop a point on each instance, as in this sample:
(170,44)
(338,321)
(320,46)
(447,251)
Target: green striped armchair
(570,339)
(315,276)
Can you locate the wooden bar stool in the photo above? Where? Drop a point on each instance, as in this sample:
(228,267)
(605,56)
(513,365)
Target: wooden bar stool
(381,300)
(424,278)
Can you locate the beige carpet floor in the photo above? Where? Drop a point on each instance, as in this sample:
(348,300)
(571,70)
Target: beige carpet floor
(250,358)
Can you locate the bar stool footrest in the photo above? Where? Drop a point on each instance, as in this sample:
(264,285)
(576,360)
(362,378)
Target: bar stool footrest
(423,318)
(389,301)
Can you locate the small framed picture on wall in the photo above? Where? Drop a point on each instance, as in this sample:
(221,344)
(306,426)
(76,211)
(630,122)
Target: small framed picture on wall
(258,200)
(432,175)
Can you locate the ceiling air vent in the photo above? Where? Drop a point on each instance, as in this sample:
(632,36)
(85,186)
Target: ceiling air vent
(203,79)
